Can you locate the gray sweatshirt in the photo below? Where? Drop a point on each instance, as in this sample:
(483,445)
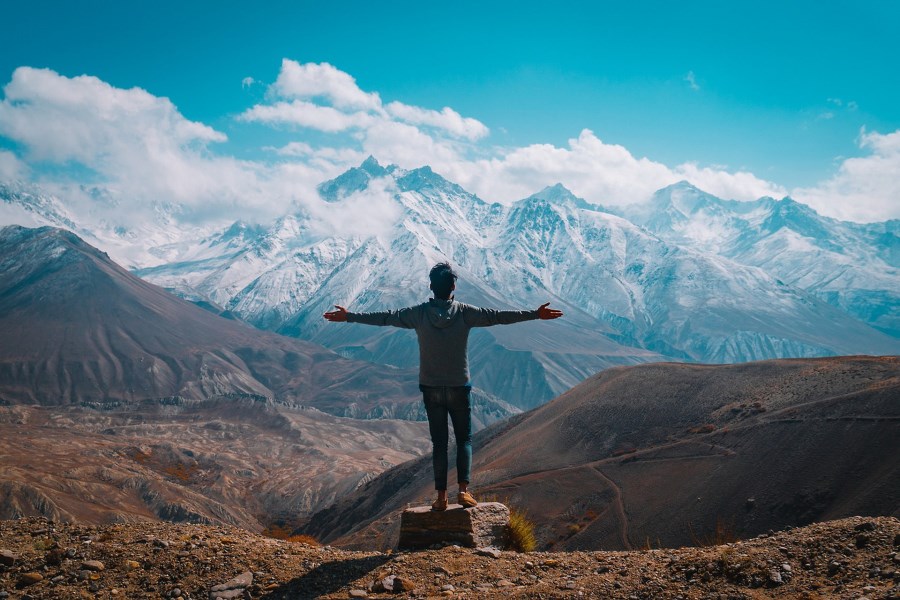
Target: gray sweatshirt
(442,327)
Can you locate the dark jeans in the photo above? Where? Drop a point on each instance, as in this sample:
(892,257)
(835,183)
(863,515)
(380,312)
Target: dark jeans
(439,403)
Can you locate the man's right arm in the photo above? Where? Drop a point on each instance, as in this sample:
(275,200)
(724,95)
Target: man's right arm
(405,318)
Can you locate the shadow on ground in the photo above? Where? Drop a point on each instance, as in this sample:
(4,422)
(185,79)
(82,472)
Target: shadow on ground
(328,578)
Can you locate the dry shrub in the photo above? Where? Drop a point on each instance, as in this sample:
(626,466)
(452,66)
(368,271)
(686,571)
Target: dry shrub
(723,534)
(521,531)
(283,531)
(180,471)
(707,428)
(303,539)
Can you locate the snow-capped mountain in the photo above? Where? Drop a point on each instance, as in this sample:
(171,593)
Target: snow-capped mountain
(852,266)
(653,286)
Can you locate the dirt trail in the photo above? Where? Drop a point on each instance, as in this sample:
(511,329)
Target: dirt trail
(619,508)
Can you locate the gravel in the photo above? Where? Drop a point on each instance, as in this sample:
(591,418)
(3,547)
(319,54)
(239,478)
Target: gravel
(49,560)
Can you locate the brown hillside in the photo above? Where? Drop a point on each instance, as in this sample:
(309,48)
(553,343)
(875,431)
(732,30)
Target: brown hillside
(75,327)
(668,454)
(230,461)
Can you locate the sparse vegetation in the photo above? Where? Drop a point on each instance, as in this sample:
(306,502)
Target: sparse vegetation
(723,534)
(706,428)
(521,531)
(181,472)
(284,531)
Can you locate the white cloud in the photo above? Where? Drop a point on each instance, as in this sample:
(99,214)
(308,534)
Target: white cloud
(307,114)
(373,211)
(596,171)
(135,144)
(692,81)
(740,185)
(88,120)
(865,188)
(323,98)
(447,119)
(143,152)
(11,167)
(407,145)
(247,82)
(321,156)
(311,80)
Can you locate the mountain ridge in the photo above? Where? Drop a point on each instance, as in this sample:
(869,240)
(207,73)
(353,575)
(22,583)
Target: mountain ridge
(646,292)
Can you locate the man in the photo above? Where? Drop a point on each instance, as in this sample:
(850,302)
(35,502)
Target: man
(442,326)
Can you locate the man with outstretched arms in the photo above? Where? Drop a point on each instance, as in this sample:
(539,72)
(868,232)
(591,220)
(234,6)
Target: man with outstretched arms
(442,326)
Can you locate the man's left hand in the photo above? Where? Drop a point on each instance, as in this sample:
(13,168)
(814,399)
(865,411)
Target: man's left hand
(548,313)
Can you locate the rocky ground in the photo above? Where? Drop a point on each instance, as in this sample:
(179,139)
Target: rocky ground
(852,558)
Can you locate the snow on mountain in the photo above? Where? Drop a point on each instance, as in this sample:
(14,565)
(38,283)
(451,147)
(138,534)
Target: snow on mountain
(854,267)
(687,277)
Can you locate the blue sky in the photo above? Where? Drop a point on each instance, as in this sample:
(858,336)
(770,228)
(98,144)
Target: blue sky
(785,91)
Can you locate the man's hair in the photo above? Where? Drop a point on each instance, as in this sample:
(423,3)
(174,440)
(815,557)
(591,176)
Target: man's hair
(442,279)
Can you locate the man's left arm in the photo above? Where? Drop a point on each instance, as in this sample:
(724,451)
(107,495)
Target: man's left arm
(487,317)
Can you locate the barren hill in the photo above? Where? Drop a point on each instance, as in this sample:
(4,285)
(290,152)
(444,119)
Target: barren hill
(76,327)
(851,558)
(667,454)
(120,402)
(231,461)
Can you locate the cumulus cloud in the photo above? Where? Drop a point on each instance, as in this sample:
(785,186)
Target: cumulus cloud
(130,141)
(307,114)
(145,154)
(324,98)
(311,80)
(323,156)
(447,119)
(372,211)
(88,120)
(247,82)
(865,188)
(739,185)
(599,172)
(11,167)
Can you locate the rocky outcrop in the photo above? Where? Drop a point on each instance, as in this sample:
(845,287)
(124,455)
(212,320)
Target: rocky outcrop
(479,526)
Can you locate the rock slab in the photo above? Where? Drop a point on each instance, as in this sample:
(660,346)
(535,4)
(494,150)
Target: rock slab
(483,525)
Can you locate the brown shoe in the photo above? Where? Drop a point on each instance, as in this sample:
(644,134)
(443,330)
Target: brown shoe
(439,505)
(466,499)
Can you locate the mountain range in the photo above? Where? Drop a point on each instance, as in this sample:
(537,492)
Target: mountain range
(687,277)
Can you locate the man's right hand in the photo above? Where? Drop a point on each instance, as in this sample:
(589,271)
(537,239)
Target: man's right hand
(548,313)
(336,316)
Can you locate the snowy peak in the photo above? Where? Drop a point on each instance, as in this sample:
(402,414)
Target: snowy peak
(683,199)
(373,167)
(555,194)
(560,195)
(797,217)
(355,179)
(425,180)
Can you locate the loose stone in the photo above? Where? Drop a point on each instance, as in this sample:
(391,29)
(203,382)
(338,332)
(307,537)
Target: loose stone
(7,558)
(26,579)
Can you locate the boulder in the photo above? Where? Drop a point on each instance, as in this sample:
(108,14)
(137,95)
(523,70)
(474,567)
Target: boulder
(479,526)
